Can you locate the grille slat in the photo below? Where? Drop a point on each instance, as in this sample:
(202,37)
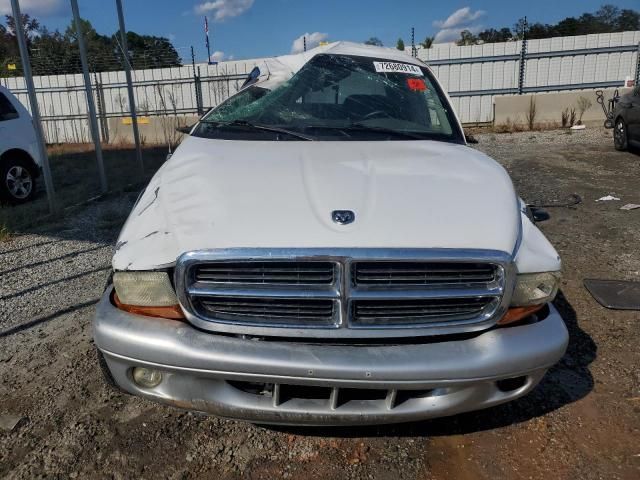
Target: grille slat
(391,274)
(379,312)
(266,273)
(260,310)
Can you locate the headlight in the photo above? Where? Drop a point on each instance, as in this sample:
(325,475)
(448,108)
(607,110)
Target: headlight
(535,289)
(532,292)
(146,293)
(145,289)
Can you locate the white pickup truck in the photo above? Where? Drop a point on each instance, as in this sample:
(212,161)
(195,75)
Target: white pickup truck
(325,249)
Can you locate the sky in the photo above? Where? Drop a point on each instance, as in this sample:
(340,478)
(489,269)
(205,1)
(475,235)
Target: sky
(255,28)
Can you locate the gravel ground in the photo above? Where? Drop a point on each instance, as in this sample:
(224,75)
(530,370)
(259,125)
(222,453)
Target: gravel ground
(582,421)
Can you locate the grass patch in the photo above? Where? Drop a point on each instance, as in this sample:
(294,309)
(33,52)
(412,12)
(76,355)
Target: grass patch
(75,178)
(4,233)
(510,126)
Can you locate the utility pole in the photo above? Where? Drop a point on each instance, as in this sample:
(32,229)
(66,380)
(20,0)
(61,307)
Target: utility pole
(35,111)
(637,79)
(93,122)
(523,58)
(414,50)
(127,71)
(304,40)
(206,31)
(193,61)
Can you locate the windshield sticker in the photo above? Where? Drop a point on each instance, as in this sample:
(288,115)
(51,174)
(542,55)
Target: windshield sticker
(390,67)
(417,84)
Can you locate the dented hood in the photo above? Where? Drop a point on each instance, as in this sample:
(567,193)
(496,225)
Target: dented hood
(405,194)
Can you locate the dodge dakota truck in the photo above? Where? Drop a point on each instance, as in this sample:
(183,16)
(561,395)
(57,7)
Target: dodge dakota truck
(325,249)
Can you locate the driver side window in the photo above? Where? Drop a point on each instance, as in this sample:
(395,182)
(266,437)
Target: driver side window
(7,110)
(359,83)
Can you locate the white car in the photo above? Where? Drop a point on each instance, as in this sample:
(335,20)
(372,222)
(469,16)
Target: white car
(20,162)
(325,249)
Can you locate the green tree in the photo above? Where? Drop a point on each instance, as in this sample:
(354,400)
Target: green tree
(628,20)
(518,29)
(148,51)
(31,27)
(57,53)
(467,38)
(52,53)
(428,42)
(9,53)
(539,30)
(492,35)
(374,41)
(400,44)
(101,51)
(608,15)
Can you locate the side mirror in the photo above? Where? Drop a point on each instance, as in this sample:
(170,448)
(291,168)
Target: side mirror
(186,129)
(538,214)
(471,139)
(251,78)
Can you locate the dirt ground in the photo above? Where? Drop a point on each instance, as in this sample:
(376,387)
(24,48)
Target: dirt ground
(583,421)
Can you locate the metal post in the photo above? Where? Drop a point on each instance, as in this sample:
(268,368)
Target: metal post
(127,71)
(206,29)
(637,79)
(193,61)
(102,116)
(414,50)
(35,111)
(523,58)
(93,121)
(199,99)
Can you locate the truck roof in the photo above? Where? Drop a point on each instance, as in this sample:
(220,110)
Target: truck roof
(275,70)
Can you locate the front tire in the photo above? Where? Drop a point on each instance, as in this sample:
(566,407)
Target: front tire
(620,138)
(17,181)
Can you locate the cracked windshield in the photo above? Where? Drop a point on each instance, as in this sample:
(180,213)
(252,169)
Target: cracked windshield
(339,97)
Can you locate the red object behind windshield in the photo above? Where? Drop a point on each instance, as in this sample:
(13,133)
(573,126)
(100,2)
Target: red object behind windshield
(417,84)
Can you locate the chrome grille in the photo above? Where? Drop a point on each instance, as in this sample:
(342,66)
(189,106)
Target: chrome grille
(266,273)
(422,273)
(406,312)
(344,293)
(267,310)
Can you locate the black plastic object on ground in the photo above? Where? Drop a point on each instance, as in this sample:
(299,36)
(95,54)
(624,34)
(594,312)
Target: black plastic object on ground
(615,294)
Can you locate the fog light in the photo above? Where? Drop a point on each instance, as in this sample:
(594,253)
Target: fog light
(146,378)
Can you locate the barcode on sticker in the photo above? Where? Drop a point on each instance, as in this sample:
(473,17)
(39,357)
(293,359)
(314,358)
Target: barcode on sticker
(391,67)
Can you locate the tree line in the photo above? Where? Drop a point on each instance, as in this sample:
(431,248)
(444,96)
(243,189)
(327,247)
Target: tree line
(55,52)
(608,19)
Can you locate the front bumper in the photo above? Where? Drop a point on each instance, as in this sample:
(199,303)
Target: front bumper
(285,382)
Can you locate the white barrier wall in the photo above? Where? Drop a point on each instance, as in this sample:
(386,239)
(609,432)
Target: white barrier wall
(539,72)
(473,75)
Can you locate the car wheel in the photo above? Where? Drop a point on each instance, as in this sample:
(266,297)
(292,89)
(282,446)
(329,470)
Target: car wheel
(17,181)
(620,135)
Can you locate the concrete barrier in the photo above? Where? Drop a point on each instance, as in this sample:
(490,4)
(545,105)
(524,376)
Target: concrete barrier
(153,130)
(549,107)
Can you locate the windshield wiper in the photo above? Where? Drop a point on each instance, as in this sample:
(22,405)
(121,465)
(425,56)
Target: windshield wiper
(361,127)
(258,126)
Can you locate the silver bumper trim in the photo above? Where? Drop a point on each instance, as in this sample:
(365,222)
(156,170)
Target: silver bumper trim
(198,365)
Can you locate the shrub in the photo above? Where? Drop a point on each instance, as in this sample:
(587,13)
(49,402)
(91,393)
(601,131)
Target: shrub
(531,114)
(584,104)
